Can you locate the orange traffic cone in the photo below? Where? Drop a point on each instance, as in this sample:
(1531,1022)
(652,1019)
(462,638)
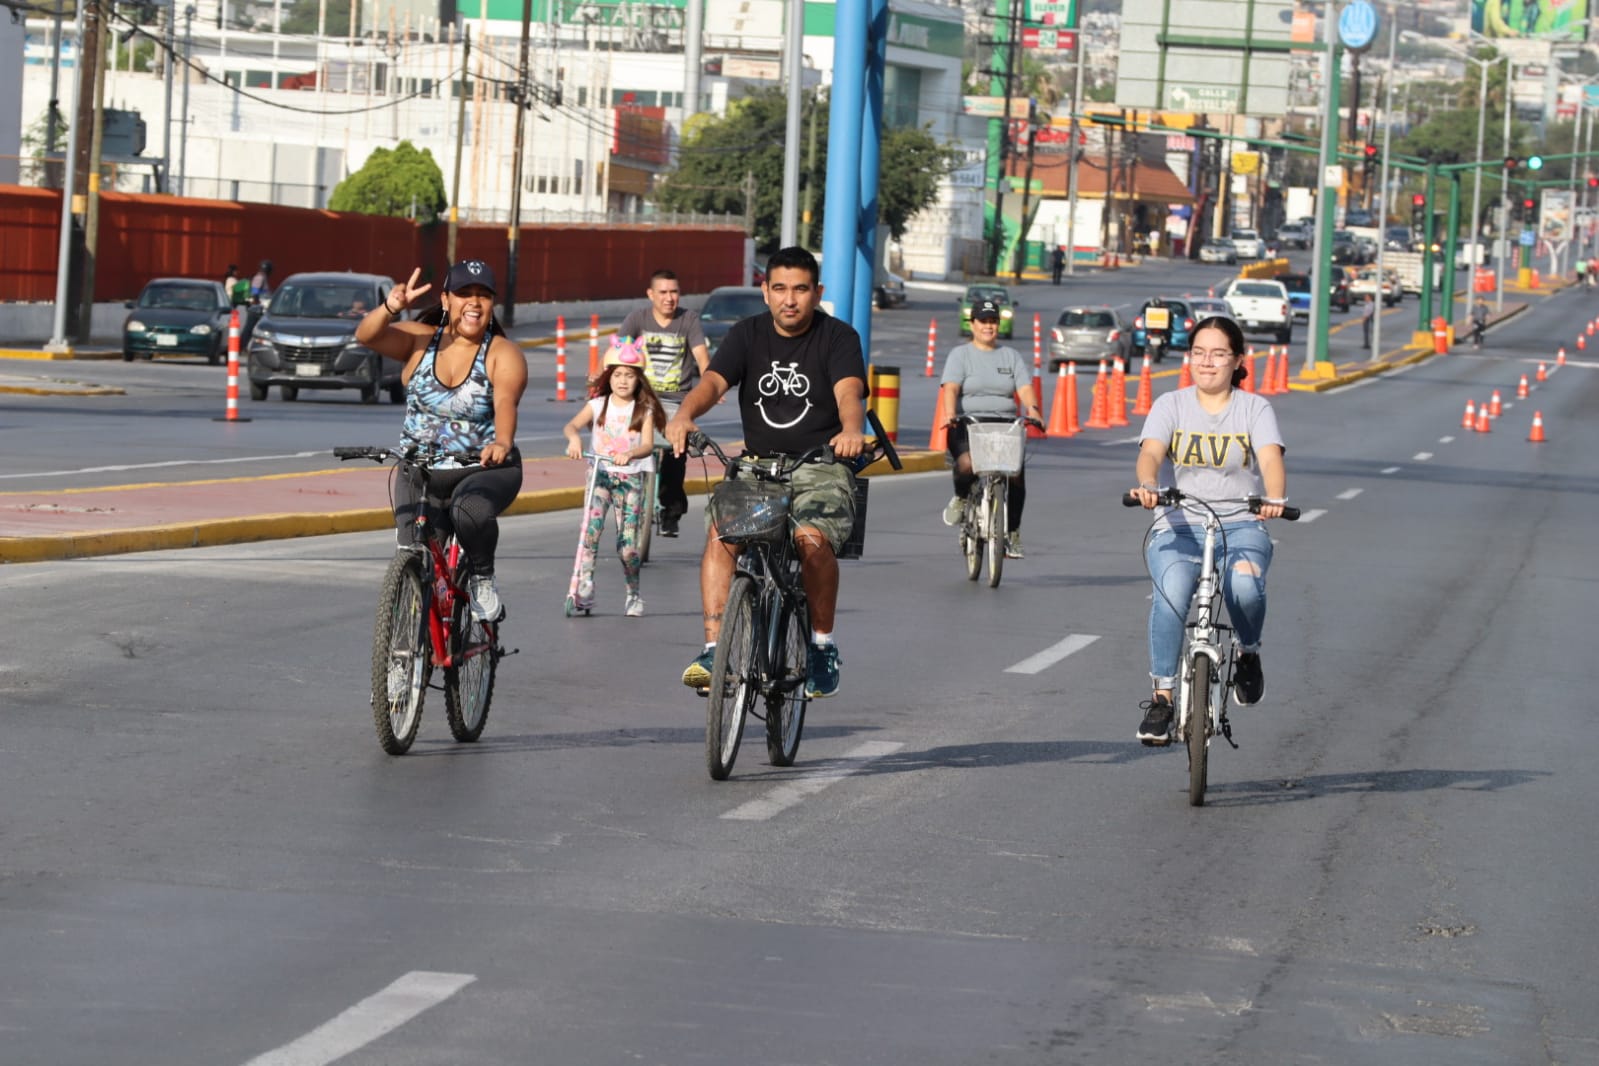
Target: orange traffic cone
(1483,424)
(1543,372)
(1146,390)
(1560,357)
(1536,436)
(1590,329)
(1494,407)
(1116,395)
(1185,376)
(938,439)
(1521,390)
(1097,418)
(1282,373)
(1250,384)
(1470,421)
(1582,342)
(1268,381)
(1063,413)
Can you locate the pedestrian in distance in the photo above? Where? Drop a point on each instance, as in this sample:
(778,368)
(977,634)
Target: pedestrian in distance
(1213,441)
(261,282)
(1057,264)
(624,414)
(1582,272)
(463,381)
(231,282)
(801,380)
(1479,323)
(1367,312)
(678,354)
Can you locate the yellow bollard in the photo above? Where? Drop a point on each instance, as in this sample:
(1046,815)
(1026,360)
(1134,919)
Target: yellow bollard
(885,398)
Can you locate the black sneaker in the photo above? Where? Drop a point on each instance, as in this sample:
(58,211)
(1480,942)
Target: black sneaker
(1155,731)
(1249,684)
(668,525)
(822,671)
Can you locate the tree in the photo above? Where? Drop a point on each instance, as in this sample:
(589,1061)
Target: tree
(301,18)
(404,182)
(717,153)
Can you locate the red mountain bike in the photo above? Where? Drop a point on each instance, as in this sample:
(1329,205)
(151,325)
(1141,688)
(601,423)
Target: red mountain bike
(424,621)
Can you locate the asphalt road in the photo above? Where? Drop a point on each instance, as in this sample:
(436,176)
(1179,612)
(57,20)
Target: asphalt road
(208,860)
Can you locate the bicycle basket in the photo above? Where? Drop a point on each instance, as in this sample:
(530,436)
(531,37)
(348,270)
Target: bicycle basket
(996,447)
(852,548)
(745,511)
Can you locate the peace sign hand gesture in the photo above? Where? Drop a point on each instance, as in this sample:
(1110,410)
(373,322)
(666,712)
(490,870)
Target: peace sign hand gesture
(403,296)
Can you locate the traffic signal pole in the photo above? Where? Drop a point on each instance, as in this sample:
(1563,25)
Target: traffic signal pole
(1316,351)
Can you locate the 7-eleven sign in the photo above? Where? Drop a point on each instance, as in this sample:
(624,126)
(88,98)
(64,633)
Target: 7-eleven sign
(1053,12)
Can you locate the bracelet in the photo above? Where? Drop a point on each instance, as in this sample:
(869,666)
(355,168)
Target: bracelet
(391,310)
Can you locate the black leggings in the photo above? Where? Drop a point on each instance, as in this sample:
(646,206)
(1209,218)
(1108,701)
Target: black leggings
(1015,498)
(476,496)
(674,501)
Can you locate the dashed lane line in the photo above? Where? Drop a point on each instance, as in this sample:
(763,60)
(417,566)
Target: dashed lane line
(1391,469)
(812,781)
(1422,457)
(1311,515)
(368,1020)
(1055,653)
(1349,494)
(1445,440)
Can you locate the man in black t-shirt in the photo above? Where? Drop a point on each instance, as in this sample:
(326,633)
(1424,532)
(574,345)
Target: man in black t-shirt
(801,382)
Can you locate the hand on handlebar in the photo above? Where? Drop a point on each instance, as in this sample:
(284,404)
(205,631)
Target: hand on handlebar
(1147,498)
(677,432)
(848,444)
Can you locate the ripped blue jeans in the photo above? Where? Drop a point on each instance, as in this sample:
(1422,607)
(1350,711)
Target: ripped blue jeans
(1174,560)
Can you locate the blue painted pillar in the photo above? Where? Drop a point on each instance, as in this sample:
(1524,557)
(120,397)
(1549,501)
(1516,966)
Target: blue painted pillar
(871,153)
(845,111)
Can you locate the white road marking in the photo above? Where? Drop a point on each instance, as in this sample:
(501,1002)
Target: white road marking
(1123,440)
(811,782)
(1445,440)
(1506,407)
(167,463)
(1349,494)
(1391,469)
(1422,457)
(368,1019)
(1050,656)
(1311,515)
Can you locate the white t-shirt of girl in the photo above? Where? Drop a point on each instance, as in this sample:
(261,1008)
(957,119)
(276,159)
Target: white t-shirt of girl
(614,435)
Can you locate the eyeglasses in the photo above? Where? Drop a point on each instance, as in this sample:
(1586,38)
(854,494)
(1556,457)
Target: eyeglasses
(1212,355)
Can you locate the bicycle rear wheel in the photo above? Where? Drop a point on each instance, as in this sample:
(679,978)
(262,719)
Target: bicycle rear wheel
(469,681)
(972,532)
(734,679)
(646,518)
(1198,729)
(401,654)
(996,531)
(786,699)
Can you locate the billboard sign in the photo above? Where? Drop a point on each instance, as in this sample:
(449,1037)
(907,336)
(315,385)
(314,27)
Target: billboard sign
(1526,20)
(1554,215)
(1206,56)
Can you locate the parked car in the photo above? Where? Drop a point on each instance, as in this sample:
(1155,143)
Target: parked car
(976,294)
(725,306)
(1087,335)
(1365,284)
(1357,216)
(1397,239)
(1298,286)
(306,339)
(1203,307)
(1218,250)
(889,291)
(182,316)
(1260,305)
(1164,323)
(1295,235)
(1248,244)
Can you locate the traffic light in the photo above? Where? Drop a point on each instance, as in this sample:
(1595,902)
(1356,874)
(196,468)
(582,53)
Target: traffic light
(1512,162)
(1593,182)
(1529,211)
(1418,211)
(1370,152)
(1535,162)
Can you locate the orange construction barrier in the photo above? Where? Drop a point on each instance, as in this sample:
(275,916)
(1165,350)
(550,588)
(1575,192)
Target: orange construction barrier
(1495,407)
(1037,432)
(560,358)
(1521,390)
(1536,280)
(1116,395)
(1097,418)
(1543,372)
(1440,336)
(1483,424)
(932,342)
(1185,376)
(1470,421)
(231,413)
(1063,413)
(1536,436)
(594,347)
(1146,389)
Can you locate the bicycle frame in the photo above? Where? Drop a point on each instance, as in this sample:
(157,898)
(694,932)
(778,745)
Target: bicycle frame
(775,568)
(1204,636)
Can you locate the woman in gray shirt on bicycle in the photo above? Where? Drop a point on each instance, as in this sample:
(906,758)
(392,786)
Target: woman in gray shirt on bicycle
(1213,441)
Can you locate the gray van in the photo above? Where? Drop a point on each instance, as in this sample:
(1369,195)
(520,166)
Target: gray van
(306,339)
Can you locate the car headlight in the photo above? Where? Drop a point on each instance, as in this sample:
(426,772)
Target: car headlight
(202,329)
(135,326)
(262,336)
(1006,313)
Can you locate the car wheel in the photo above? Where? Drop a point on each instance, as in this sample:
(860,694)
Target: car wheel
(127,355)
(290,393)
(258,392)
(1285,336)
(396,393)
(369,393)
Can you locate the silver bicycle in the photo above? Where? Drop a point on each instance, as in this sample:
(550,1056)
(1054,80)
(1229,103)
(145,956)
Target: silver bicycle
(996,450)
(1205,666)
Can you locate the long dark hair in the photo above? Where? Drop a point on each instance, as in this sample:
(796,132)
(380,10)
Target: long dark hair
(434,316)
(644,402)
(1235,341)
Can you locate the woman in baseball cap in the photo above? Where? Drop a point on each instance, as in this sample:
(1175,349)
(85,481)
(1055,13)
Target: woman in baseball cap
(463,380)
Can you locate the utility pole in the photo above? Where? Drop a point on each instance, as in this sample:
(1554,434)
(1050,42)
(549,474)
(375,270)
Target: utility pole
(793,57)
(513,239)
(747,186)
(90,104)
(1027,195)
(1008,73)
(53,118)
(808,200)
(183,140)
(1075,155)
(460,140)
(170,48)
(59,325)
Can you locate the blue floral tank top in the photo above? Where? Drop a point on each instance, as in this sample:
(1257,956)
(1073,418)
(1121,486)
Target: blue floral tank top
(458,421)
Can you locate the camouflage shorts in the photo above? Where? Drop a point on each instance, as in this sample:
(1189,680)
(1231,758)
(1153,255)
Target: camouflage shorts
(824,500)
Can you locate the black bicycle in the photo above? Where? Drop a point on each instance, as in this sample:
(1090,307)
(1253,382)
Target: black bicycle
(424,621)
(766,627)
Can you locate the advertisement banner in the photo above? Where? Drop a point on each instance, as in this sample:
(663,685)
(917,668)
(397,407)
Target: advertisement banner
(1554,215)
(1566,20)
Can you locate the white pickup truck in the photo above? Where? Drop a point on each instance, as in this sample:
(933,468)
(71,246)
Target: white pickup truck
(1261,306)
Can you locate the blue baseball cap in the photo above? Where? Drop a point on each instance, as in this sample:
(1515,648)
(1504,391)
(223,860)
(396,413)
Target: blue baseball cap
(470,272)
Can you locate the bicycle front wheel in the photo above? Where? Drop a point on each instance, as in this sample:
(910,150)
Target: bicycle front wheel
(1198,729)
(734,679)
(401,654)
(996,532)
(469,679)
(646,518)
(972,534)
(786,699)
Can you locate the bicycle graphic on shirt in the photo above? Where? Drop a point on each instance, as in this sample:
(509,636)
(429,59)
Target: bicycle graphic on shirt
(785,378)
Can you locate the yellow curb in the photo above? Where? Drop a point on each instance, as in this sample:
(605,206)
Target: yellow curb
(90,390)
(39,354)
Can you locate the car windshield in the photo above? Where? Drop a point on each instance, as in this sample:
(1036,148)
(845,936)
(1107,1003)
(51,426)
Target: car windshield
(333,299)
(1204,309)
(179,298)
(732,306)
(999,296)
(1294,282)
(1087,319)
(1246,234)
(1223,242)
(1258,288)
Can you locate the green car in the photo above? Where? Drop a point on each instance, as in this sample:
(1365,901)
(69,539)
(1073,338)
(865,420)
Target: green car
(975,295)
(181,316)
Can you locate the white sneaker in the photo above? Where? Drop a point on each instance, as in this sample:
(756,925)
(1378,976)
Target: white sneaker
(486,605)
(1013,545)
(635,605)
(954,511)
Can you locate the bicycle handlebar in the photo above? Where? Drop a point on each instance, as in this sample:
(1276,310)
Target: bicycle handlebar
(1173,497)
(699,443)
(968,420)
